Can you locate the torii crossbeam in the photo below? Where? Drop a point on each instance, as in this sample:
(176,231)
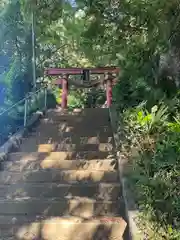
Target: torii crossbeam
(79,71)
(64,73)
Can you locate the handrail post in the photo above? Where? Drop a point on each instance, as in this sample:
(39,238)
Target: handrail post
(25,112)
(33,51)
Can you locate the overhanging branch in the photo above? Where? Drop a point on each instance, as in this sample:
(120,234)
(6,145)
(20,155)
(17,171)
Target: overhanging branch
(53,52)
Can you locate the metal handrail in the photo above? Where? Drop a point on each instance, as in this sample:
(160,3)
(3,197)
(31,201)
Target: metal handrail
(14,105)
(21,101)
(25,101)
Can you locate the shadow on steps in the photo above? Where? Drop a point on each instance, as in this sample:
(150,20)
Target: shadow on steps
(91,211)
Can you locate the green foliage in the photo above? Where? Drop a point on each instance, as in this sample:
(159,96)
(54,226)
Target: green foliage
(142,37)
(175,126)
(156,183)
(152,143)
(51,100)
(101,98)
(151,121)
(15,51)
(57,94)
(77,99)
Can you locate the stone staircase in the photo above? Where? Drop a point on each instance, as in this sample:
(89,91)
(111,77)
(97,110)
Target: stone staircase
(63,184)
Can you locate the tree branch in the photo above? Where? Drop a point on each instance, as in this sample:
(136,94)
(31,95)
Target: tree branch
(53,52)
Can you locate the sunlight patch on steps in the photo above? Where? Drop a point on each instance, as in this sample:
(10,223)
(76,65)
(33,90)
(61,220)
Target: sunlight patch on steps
(58,156)
(78,164)
(47,147)
(66,176)
(74,228)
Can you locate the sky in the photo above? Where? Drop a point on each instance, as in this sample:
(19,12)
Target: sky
(72,2)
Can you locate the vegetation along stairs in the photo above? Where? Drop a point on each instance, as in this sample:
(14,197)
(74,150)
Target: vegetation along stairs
(63,183)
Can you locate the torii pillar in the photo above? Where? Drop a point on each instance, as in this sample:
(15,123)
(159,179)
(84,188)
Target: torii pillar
(109,85)
(64,92)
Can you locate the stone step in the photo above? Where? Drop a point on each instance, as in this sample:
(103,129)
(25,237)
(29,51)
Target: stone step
(80,207)
(64,228)
(78,119)
(49,145)
(73,138)
(70,126)
(58,156)
(70,137)
(87,112)
(101,191)
(49,191)
(97,125)
(102,147)
(64,176)
(87,130)
(54,118)
(48,162)
(54,132)
(59,143)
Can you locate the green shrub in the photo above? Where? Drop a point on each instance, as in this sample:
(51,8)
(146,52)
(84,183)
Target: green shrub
(57,93)
(77,99)
(51,100)
(155,168)
(156,180)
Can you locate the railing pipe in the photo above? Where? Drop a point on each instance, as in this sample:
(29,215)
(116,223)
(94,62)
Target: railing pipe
(14,105)
(25,101)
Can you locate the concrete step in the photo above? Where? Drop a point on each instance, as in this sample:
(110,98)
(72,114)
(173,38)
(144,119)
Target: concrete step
(100,120)
(58,156)
(49,191)
(95,121)
(64,176)
(88,112)
(84,139)
(87,130)
(65,228)
(74,125)
(81,207)
(102,147)
(59,143)
(70,137)
(48,162)
(39,146)
(56,130)
(20,191)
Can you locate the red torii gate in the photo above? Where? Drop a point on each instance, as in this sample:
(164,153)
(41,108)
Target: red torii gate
(65,72)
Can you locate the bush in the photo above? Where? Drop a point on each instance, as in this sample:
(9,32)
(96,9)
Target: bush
(77,99)
(155,168)
(51,100)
